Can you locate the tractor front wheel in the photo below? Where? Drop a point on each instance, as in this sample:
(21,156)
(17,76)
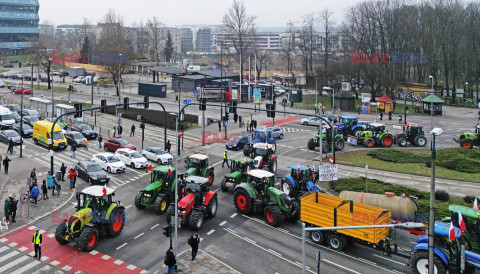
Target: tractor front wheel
(196,220)
(273,166)
(286,186)
(369,142)
(88,239)
(223,185)
(339,144)
(402,142)
(212,207)
(420,141)
(311,144)
(170,213)
(117,222)
(387,140)
(60,233)
(138,200)
(419,263)
(242,201)
(357,133)
(466,143)
(273,215)
(211,177)
(161,204)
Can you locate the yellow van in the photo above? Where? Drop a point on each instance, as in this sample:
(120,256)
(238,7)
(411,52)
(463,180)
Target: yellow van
(41,135)
(100,79)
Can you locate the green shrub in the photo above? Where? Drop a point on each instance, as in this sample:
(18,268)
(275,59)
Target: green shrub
(397,156)
(469,199)
(442,196)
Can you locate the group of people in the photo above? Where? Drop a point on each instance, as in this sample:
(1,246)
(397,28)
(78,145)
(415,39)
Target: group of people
(319,108)
(117,130)
(170,260)
(251,126)
(10,208)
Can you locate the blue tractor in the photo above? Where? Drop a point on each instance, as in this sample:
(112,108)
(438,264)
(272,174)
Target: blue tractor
(260,135)
(350,126)
(301,180)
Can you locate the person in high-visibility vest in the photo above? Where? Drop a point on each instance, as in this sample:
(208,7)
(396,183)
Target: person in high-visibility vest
(37,243)
(225,159)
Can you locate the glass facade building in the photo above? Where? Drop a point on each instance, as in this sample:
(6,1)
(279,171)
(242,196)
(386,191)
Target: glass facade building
(18,25)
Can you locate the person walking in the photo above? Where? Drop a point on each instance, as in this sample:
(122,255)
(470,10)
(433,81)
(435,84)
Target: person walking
(34,194)
(6,163)
(399,119)
(33,175)
(255,124)
(13,208)
(240,120)
(85,144)
(194,242)
(74,148)
(72,173)
(225,159)
(170,261)
(10,146)
(37,243)
(49,179)
(381,116)
(44,190)
(63,170)
(114,131)
(100,139)
(248,125)
(168,146)
(1,160)
(6,208)
(54,184)
(132,130)
(120,131)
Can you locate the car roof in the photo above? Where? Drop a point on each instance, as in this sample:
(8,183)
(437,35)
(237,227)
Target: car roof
(88,162)
(301,167)
(262,129)
(155,148)
(115,138)
(106,154)
(9,130)
(74,131)
(196,180)
(259,173)
(377,125)
(263,145)
(349,117)
(126,150)
(97,191)
(198,156)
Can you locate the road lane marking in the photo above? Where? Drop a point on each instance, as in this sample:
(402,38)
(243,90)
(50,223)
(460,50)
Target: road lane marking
(233,215)
(24,268)
(340,266)
(154,226)
(222,223)
(210,232)
(129,206)
(274,252)
(138,236)
(12,264)
(121,246)
(393,261)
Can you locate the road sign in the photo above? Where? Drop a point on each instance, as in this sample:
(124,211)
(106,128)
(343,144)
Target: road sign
(195,92)
(225,123)
(331,160)
(180,133)
(328,173)
(41,95)
(257,95)
(187,102)
(69,101)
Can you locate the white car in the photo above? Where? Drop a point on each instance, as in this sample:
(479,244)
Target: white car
(2,84)
(158,155)
(109,162)
(80,79)
(132,158)
(310,121)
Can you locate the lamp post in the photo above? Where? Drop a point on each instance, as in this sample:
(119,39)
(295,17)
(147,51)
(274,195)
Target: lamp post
(431,104)
(21,122)
(92,77)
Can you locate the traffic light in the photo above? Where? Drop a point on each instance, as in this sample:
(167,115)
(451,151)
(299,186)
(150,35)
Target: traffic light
(146,100)
(203,104)
(225,118)
(126,100)
(167,230)
(78,107)
(103,104)
(271,110)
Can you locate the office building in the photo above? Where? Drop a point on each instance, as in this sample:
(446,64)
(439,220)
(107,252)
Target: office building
(187,40)
(203,40)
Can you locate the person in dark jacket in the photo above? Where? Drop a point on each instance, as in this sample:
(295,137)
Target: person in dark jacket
(6,163)
(100,139)
(10,146)
(168,146)
(74,148)
(37,243)
(194,241)
(219,125)
(44,190)
(170,261)
(33,175)
(63,170)
(120,131)
(13,208)
(132,130)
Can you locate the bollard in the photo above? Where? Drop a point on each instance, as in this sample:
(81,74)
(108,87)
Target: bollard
(109,133)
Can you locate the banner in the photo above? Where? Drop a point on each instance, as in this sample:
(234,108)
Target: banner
(328,173)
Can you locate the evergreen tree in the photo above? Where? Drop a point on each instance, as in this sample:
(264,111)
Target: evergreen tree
(168,51)
(85,48)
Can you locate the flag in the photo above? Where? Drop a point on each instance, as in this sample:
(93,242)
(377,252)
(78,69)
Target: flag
(314,175)
(461,223)
(170,171)
(150,167)
(105,190)
(298,171)
(451,233)
(475,204)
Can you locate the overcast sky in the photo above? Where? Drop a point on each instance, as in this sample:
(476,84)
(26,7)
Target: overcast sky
(270,13)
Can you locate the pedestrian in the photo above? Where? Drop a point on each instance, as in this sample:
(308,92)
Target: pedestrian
(176,97)
(170,261)
(381,116)
(194,241)
(33,175)
(74,148)
(114,131)
(168,146)
(219,125)
(323,110)
(44,190)
(315,107)
(399,118)
(225,159)
(390,114)
(291,104)
(255,124)
(63,170)
(132,130)
(37,243)
(120,131)
(13,208)
(1,160)
(10,146)
(72,173)
(49,179)
(359,109)
(240,120)
(6,162)
(34,194)
(6,208)
(100,139)
(54,184)
(85,144)
(248,125)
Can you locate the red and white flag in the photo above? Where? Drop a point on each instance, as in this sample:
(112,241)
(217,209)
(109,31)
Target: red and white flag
(105,190)
(451,233)
(150,167)
(298,171)
(475,204)
(461,222)
(314,175)
(170,171)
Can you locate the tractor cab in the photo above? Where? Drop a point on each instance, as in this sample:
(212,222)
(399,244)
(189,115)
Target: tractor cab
(196,185)
(262,135)
(93,197)
(471,217)
(195,163)
(241,165)
(262,153)
(347,122)
(261,179)
(301,173)
(414,130)
(376,129)
(162,173)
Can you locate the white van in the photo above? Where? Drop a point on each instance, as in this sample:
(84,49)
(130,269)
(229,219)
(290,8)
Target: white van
(6,118)
(193,68)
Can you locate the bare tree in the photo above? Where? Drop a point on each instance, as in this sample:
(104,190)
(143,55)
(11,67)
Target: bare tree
(156,38)
(287,48)
(326,18)
(306,42)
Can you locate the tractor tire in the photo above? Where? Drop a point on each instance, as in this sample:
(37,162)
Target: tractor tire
(161,204)
(117,222)
(212,207)
(88,239)
(466,143)
(387,140)
(211,177)
(246,150)
(138,200)
(357,132)
(402,142)
(295,216)
(170,213)
(273,215)
(60,233)
(369,142)
(336,242)
(273,166)
(311,144)
(420,141)
(223,185)
(243,201)
(339,144)
(419,263)
(195,220)
(317,237)
(287,187)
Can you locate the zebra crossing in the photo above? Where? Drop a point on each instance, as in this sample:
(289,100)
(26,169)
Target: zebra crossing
(15,261)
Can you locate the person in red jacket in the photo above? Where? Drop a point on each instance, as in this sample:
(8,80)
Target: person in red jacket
(72,173)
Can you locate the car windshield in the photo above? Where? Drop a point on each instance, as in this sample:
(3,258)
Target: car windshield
(123,142)
(11,134)
(136,155)
(58,135)
(14,114)
(94,168)
(159,152)
(112,159)
(234,139)
(85,127)
(33,119)
(33,112)
(6,117)
(25,127)
(260,152)
(77,135)
(16,107)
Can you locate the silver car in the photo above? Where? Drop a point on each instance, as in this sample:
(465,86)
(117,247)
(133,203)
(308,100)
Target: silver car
(311,121)
(277,132)
(10,134)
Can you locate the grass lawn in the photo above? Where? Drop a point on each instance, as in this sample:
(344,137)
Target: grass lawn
(43,87)
(21,58)
(379,187)
(412,161)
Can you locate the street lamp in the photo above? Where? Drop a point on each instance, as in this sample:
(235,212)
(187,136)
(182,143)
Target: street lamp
(431,104)
(92,77)
(431,222)
(21,121)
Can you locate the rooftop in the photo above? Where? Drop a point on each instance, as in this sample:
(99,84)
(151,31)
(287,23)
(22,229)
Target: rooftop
(97,191)
(259,173)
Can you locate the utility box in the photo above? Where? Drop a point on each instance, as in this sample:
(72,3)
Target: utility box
(74,72)
(152,90)
(295,95)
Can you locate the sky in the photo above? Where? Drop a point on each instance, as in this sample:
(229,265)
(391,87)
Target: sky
(270,13)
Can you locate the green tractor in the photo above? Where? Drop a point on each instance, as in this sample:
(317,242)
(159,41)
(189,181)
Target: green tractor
(468,139)
(97,215)
(197,165)
(327,140)
(376,134)
(238,168)
(160,192)
(471,217)
(258,194)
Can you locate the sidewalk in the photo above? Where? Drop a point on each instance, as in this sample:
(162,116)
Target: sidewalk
(206,263)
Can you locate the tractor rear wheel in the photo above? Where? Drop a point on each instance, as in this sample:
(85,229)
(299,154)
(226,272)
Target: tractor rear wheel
(339,144)
(402,142)
(117,222)
(170,213)
(88,239)
(138,200)
(419,263)
(273,166)
(369,142)
(335,242)
(311,144)
(60,233)
(212,207)
(420,141)
(317,237)
(196,220)
(273,215)
(287,187)
(387,140)
(466,143)
(223,185)
(296,215)
(161,204)
(242,201)
(246,150)
(211,177)
(357,132)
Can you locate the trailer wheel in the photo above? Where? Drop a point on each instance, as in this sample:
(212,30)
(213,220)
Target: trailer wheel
(317,237)
(336,242)
(419,263)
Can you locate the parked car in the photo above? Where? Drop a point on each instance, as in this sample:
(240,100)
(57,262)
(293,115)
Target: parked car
(80,79)
(237,143)
(3,75)
(45,79)
(277,132)
(26,131)
(157,155)
(129,71)
(29,78)
(2,84)
(112,144)
(29,120)
(15,108)
(310,121)
(16,116)
(132,158)
(109,162)
(31,112)
(8,66)
(86,130)
(92,173)
(10,134)
(75,137)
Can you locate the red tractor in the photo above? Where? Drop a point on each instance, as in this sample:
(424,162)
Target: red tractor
(413,134)
(197,202)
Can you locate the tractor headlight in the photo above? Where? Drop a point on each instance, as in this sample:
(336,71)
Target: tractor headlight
(181,210)
(147,195)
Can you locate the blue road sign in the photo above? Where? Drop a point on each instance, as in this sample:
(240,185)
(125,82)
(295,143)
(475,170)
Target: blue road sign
(225,123)
(187,102)
(195,92)
(41,95)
